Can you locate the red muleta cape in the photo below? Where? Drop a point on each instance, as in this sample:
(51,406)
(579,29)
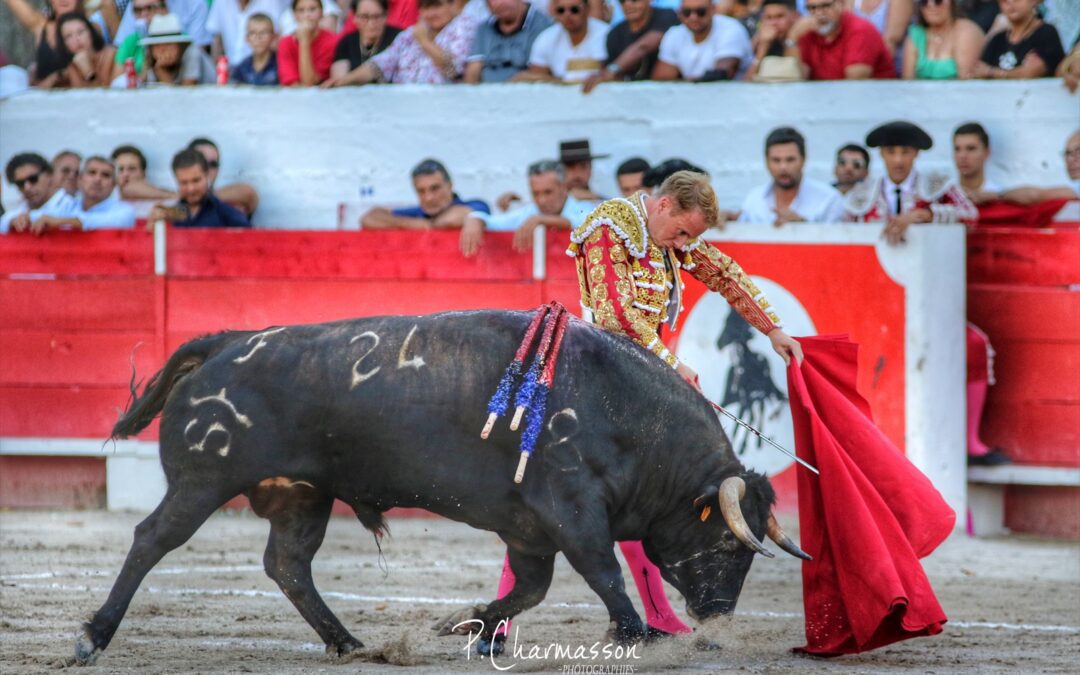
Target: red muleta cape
(866,520)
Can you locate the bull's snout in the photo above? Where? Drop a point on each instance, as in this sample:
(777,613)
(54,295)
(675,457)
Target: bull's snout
(710,609)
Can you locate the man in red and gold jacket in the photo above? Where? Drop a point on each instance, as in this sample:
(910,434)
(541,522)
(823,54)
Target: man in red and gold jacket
(629,253)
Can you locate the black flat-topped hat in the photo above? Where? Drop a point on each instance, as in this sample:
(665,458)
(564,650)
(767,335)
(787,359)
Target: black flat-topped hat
(577,151)
(899,133)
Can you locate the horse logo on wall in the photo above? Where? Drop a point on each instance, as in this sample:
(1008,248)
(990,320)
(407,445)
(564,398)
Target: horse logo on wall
(740,371)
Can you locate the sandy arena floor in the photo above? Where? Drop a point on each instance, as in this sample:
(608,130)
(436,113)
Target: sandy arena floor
(1013,605)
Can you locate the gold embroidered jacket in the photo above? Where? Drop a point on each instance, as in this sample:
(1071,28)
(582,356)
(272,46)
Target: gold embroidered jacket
(629,285)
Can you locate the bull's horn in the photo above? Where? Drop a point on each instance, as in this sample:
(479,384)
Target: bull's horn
(783,541)
(731,492)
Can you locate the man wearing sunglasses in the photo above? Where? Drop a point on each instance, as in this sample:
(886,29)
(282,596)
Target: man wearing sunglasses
(633,44)
(706,48)
(843,46)
(852,167)
(570,51)
(96,207)
(33,176)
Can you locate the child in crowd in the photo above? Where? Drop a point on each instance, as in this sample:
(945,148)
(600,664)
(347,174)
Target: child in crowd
(261,68)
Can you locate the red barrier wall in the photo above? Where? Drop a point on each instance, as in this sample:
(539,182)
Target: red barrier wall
(1024,292)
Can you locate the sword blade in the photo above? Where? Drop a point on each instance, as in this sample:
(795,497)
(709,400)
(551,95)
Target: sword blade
(765,438)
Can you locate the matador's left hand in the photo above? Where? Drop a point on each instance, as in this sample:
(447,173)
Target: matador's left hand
(786,346)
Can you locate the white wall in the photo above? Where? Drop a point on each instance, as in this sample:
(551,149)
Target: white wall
(309,150)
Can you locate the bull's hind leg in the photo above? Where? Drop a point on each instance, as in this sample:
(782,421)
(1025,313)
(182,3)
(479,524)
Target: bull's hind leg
(296,532)
(180,514)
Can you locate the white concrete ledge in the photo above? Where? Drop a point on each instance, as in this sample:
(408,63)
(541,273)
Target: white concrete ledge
(77,447)
(1013,474)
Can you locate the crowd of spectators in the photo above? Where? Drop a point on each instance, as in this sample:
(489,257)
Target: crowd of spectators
(98,192)
(333,43)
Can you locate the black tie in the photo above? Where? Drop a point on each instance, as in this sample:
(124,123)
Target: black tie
(898,206)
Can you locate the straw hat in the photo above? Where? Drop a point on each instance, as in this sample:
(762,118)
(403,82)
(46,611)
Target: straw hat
(164,29)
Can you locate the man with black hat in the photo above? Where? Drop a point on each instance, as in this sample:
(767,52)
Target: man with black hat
(577,157)
(903,196)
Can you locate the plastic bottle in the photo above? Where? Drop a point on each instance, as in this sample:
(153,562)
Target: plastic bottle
(129,71)
(222,70)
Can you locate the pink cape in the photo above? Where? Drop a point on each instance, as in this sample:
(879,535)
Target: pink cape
(866,520)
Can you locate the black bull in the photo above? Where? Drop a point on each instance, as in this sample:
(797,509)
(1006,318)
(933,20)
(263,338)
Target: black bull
(386,412)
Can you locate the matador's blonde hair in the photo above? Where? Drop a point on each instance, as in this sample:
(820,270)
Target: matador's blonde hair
(691,191)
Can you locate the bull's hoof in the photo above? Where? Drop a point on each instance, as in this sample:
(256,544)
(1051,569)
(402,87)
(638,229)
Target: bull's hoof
(461,622)
(491,646)
(344,647)
(625,636)
(86,652)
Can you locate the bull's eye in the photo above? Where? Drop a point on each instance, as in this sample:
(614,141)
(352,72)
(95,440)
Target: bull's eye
(729,537)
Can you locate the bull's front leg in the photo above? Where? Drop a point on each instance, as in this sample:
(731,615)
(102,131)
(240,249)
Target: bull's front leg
(593,557)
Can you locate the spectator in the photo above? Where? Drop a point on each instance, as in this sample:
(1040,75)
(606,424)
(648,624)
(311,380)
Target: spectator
(705,48)
(852,167)
(656,176)
(130,165)
(89,59)
(552,206)
(842,46)
(95,207)
(439,208)
(971,149)
(433,51)
(570,51)
(259,68)
(890,18)
(331,18)
(305,57)
(576,158)
(171,57)
(1072,161)
(32,175)
(198,207)
(65,171)
(48,59)
(631,175)
(1069,69)
(371,37)
(1029,48)
(192,15)
(240,195)
(790,197)
(775,39)
(633,45)
(904,197)
(130,47)
(228,24)
(942,45)
(503,42)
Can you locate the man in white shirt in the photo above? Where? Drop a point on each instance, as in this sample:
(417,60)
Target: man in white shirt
(95,207)
(706,48)
(227,23)
(553,206)
(790,197)
(971,149)
(571,50)
(33,176)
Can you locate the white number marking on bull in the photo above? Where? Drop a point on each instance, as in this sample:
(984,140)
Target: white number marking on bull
(417,362)
(201,445)
(569,414)
(357,376)
(216,426)
(258,345)
(220,398)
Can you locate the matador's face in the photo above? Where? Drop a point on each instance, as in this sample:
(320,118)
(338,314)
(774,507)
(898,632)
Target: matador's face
(671,228)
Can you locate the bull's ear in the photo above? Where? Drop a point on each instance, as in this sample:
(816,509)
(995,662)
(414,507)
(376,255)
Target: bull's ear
(703,504)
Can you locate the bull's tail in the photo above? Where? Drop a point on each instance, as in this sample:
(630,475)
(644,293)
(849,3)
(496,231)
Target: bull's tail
(142,409)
